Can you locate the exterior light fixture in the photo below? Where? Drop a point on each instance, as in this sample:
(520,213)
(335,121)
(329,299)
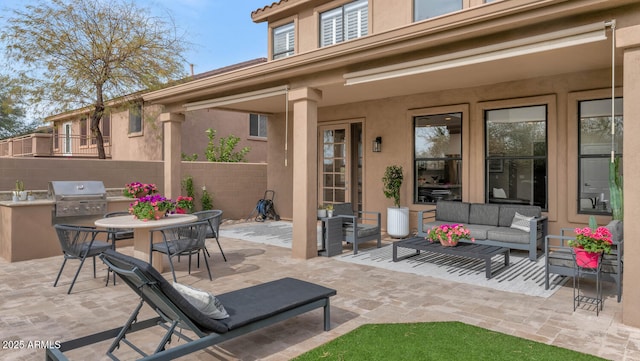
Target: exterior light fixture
(377,145)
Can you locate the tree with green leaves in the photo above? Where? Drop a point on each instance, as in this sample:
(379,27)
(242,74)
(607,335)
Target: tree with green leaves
(225,150)
(74,54)
(12,121)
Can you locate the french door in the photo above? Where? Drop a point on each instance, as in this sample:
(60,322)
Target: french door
(334,173)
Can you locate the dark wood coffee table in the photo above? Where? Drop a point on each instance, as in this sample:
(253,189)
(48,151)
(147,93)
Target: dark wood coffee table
(468,250)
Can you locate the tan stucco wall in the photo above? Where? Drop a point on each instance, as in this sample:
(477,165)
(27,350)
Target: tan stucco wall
(391,118)
(146,145)
(226,123)
(25,227)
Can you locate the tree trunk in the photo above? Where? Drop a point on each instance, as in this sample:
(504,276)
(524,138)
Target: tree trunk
(95,122)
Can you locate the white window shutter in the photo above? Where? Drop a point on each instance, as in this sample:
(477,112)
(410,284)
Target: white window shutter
(283,41)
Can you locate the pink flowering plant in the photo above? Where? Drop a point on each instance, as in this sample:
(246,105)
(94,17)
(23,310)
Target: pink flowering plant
(137,189)
(449,234)
(184,204)
(151,207)
(592,241)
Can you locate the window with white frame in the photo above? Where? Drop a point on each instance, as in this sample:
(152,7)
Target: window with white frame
(284,41)
(343,23)
(258,125)
(594,152)
(135,119)
(425,9)
(516,155)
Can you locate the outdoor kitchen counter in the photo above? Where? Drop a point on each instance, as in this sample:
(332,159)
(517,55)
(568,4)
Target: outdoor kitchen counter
(26,230)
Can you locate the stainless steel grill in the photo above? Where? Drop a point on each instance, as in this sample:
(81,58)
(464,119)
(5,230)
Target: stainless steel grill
(77,199)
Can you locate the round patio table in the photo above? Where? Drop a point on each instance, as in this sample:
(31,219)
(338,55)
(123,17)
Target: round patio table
(141,232)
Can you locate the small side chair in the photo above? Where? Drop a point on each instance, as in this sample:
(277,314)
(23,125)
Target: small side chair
(79,242)
(214,217)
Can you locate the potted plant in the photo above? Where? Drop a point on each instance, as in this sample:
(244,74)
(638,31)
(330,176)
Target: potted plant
(397,217)
(184,204)
(139,190)
(329,210)
(590,243)
(151,207)
(19,192)
(322,212)
(449,234)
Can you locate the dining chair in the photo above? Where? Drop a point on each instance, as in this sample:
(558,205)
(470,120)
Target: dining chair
(79,242)
(214,217)
(118,234)
(180,240)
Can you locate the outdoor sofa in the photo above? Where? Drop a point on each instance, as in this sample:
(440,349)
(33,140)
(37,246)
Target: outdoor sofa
(491,224)
(248,309)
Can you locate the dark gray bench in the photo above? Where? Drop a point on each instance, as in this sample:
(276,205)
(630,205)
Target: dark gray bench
(490,224)
(249,309)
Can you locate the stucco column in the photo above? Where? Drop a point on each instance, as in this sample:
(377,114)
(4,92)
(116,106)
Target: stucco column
(172,125)
(305,171)
(629,40)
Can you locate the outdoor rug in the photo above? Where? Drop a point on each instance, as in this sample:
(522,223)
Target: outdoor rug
(522,276)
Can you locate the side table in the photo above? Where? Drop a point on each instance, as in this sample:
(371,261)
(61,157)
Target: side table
(578,294)
(331,236)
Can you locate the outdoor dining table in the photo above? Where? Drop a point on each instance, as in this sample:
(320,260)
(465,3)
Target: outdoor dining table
(141,232)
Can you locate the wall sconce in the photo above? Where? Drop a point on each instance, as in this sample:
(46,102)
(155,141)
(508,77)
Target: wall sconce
(377,145)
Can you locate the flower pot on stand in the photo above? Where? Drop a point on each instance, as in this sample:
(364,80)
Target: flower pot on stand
(586,259)
(398,222)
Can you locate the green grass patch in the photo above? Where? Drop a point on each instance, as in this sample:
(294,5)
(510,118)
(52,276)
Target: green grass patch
(436,341)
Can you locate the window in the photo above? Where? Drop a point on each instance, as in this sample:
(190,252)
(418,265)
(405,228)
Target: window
(516,155)
(438,157)
(258,125)
(594,153)
(347,22)
(106,127)
(56,136)
(135,119)
(425,9)
(83,132)
(283,41)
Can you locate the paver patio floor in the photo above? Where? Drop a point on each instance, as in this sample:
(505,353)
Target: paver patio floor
(32,310)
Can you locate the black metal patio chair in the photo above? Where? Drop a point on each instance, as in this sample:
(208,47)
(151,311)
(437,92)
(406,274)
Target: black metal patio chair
(78,242)
(214,217)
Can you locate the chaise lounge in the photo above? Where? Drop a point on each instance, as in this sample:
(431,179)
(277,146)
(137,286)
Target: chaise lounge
(249,309)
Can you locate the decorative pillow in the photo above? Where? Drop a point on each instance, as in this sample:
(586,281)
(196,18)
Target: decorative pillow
(499,193)
(521,222)
(203,301)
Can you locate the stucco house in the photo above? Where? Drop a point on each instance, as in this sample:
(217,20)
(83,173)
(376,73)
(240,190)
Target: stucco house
(132,131)
(482,101)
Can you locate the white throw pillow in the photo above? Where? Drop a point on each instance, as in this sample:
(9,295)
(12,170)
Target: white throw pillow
(499,193)
(203,301)
(521,222)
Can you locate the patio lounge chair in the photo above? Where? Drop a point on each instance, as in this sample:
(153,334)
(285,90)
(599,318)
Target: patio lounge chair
(358,227)
(249,309)
(79,242)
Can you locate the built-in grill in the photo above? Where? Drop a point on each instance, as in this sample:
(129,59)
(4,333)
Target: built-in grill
(75,200)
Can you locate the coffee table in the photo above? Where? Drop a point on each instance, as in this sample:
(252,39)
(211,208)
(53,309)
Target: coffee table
(468,250)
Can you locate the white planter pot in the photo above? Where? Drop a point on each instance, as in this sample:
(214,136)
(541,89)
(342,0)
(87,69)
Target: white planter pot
(322,213)
(22,195)
(398,222)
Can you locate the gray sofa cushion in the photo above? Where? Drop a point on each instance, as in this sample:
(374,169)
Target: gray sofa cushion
(364,230)
(449,211)
(508,211)
(507,234)
(479,231)
(486,214)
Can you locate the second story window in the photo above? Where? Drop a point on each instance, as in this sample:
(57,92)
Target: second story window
(425,9)
(258,125)
(135,119)
(83,132)
(284,41)
(347,22)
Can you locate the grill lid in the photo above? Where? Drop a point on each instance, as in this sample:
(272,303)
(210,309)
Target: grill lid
(61,190)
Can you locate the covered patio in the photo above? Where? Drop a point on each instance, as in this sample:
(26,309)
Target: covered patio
(37,313)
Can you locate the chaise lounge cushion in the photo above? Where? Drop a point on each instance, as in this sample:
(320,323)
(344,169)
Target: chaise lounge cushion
(268,299)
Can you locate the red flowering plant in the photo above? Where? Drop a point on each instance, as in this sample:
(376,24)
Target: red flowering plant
(138,190)
(592,241)
(184,204)
(151,207)
(448,234)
